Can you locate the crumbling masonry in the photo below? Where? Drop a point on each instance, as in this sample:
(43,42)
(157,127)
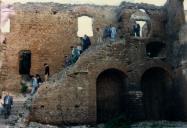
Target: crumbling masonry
(142,78)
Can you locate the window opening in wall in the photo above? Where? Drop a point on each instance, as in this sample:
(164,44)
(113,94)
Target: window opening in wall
(24,62)
(154,49)
(5,28)
(6,12)
(85,26)
(140,29)
(140,24)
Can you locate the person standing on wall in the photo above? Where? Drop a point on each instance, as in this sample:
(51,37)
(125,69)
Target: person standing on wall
(113,33)
(46,71)
(87,42)
(34,85)
(39,80)
(137,30)
(67,61)
(106,33)
(8,102)
(74,54)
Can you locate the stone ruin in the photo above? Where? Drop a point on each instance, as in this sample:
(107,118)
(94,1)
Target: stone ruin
(142,78)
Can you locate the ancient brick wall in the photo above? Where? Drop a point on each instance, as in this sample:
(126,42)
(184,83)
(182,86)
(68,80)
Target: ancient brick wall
(155,14)
(175,17)
(48,31)
(75,101)
(74,95)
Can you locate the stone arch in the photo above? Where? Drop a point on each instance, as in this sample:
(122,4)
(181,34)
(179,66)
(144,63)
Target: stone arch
(140,15)
(141,18)
(154,63)
(111,92)
(85,14)
(142,10)
(157,88)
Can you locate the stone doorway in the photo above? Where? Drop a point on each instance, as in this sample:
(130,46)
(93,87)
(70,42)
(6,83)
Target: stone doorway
(111,95)
(157,87)
(24,62)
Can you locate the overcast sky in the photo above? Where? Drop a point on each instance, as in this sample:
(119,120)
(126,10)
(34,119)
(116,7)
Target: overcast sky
(99,2)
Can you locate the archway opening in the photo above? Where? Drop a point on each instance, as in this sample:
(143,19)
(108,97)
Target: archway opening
(157,87)
(111,95)
(24,62)
(143,32)
(153,49)
(140,24)
(85,26)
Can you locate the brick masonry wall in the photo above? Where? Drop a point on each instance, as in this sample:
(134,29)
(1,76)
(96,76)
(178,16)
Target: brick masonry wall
(70,96)
(75,101)
(48,36)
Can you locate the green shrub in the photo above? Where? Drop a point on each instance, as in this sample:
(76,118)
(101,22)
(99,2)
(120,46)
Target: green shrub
(23,88)
(118,122)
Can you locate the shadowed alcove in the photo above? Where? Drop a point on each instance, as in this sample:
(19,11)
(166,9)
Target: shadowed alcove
(157,87)
(111,94)
(154,49)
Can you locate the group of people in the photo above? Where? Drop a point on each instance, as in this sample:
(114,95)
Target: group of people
(136,30)
(110,32)
(8,99)
(37,81)
(76,51)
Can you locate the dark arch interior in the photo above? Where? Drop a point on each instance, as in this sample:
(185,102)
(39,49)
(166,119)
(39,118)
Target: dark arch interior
(111,94)
(154,48)
(24,62)
(157,87)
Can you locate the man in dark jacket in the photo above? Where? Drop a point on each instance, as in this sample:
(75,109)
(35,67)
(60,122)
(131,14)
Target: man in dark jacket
(87,42)
(8,102)
(137,30)
(46,71)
